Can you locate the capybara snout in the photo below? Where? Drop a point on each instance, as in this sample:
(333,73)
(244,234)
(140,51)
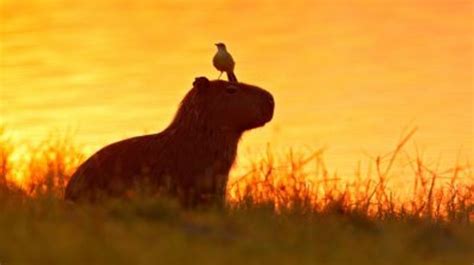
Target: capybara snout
(268,106)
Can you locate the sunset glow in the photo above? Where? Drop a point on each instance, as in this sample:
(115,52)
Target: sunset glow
(218,132)
(348,76)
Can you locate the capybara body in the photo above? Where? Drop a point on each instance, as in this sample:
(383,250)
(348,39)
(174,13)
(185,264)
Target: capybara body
(190,159)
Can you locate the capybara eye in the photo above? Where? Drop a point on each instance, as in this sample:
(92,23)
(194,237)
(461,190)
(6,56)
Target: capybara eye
(231,90)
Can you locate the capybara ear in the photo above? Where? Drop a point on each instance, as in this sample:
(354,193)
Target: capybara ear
(201,82)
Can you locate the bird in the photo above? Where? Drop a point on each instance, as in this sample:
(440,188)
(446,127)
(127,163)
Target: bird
(224,62)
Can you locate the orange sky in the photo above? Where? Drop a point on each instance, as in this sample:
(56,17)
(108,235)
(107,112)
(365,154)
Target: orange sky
(346,75)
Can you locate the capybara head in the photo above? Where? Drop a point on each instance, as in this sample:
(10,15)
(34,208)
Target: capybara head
(226,105)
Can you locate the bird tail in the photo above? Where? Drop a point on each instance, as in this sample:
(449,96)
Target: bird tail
(231,76)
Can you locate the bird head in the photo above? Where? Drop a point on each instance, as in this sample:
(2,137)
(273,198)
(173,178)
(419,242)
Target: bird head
(220,46)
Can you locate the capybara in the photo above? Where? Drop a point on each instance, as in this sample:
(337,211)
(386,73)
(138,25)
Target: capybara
(190,159)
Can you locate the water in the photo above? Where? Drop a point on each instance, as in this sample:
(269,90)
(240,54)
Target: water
(349,76)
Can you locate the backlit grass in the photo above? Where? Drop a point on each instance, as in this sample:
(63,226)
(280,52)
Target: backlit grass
(285,210)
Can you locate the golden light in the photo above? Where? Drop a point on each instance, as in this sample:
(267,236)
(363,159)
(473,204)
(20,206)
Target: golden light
(347,76)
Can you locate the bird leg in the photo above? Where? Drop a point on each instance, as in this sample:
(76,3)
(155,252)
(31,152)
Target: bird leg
(220,75)
(231,76)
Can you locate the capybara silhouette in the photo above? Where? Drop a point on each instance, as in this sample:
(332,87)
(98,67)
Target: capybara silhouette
(190,159)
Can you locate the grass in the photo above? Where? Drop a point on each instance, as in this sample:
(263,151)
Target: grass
(285,210)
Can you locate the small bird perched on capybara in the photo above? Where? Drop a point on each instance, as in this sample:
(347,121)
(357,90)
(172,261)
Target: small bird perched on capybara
(224,62)
(190,159)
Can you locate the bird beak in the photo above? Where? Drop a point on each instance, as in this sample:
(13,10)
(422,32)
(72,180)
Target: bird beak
(216,44)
